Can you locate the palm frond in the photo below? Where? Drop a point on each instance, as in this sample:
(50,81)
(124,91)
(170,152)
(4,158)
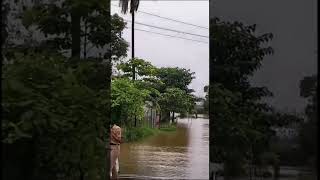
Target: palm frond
(124,4)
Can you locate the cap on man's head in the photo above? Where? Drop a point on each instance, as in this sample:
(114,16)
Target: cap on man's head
(115,126)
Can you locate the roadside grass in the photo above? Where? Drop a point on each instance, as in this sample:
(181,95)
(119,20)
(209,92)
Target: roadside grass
(167,127)
(139,133)
(135,134)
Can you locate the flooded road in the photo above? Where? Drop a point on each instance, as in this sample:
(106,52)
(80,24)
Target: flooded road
(181,154)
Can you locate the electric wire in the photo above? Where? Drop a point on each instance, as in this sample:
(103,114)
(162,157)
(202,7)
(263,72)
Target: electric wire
(170,19)
(169,35)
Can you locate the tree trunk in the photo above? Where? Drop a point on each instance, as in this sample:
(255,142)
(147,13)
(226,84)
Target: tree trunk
(165,116)
(135,121)
(159,120)
(172,117)
(75,34)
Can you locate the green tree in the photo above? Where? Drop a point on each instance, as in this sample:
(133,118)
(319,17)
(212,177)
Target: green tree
(160,82)
(151,86)
(146,73)
(175,78)
(119,46)
(175,100)
(127,101)
(56,88)
(241,129)
(77,27)
(146,78)
(144,69)
(50,111)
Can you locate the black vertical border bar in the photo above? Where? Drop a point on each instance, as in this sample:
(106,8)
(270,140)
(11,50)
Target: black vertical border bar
(108,108)
(317,44)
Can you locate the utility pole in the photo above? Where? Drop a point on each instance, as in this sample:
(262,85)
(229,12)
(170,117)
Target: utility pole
(132,53)
(132,44)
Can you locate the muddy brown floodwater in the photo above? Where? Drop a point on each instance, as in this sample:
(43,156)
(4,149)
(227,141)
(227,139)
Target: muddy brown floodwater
(182,154)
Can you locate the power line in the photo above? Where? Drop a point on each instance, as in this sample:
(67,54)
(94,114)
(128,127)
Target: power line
(167,29)
(173,20)
(169,35)
(170,19)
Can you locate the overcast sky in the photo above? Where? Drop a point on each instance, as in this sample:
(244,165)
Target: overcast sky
(166,51)
(293,23)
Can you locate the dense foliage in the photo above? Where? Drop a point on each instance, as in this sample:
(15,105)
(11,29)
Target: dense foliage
(74,28)
(143,69)
(239,119)
(55,109)
(176,100)
(167,87)
(127,101)
(50,105)
(176,78)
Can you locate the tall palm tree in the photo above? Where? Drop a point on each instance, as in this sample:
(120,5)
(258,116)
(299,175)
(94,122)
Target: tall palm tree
(134,4)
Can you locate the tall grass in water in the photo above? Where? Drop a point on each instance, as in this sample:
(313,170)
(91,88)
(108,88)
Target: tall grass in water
(138,133)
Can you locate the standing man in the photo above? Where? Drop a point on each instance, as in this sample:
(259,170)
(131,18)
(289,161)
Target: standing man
(115,142)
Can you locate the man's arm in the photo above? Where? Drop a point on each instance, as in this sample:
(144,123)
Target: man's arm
(116,135)
(116,138)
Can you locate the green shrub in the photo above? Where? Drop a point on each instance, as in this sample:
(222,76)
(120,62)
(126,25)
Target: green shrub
(135,134)
(139,133)
(60,112)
